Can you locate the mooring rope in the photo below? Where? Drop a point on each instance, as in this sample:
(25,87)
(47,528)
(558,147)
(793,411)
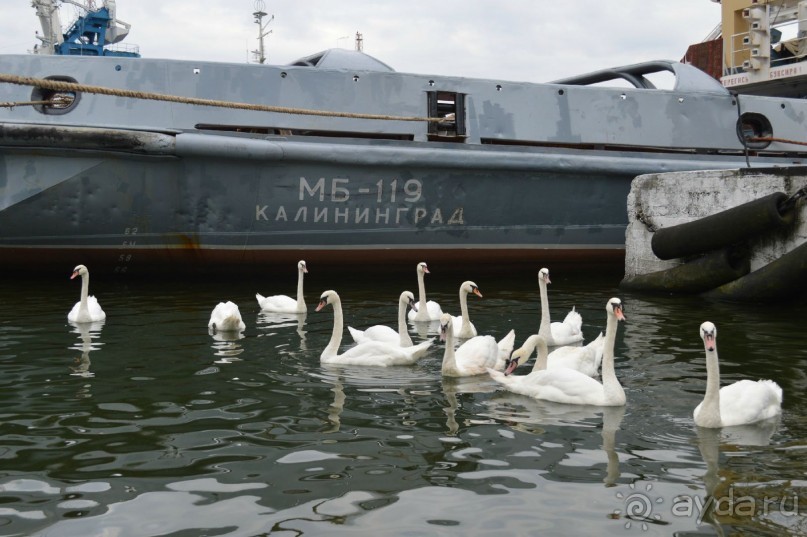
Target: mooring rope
(771,139)
(59,85)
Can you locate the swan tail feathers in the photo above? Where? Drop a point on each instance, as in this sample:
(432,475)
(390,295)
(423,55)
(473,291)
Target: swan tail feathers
(574,320)
(357,335)
(508,342)
(774,388)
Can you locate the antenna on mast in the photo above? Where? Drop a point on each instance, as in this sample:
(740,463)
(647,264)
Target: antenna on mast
(259,14)
(359,42)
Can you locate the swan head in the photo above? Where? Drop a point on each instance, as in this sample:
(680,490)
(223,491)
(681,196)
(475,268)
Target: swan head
(423,268)
(543,276)
(709,335)
(446,324)
(302,267)
(328,297)
(409,299)
(522,354)
(614,307)
(80,270)
(470,287)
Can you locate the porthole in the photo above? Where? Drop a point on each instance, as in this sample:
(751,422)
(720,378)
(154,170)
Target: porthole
(754,130)
(61,101)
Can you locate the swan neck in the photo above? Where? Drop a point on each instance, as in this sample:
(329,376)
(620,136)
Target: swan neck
(403,329)
(544,327)
(449,359)
(541,357)
(466,320)
(85,289)
(608,369)
(300,299)
(336,336)
(421,292)
(711,399)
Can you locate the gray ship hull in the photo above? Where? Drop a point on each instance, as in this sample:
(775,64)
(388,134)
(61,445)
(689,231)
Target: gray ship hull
(136,186)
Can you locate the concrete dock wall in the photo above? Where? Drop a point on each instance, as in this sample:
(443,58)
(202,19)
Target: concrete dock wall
(662,200)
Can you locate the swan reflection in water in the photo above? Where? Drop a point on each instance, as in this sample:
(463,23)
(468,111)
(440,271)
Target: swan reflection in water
(86,333)
(270,323)
(533,415)
(459,385)
(376,381)
(226,346)
(721,499)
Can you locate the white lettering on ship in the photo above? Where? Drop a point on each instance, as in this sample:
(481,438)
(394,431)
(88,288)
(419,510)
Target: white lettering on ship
(326,197)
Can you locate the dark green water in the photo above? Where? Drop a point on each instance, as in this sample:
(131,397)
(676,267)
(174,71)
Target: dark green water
(149,426)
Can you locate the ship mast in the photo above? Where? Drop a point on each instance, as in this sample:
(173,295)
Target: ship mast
(259,14)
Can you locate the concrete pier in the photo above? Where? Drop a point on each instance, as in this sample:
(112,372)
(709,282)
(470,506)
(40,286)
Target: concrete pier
(663,200)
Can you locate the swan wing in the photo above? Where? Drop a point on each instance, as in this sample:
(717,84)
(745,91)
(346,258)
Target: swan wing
(476,355)
(277,303)
(433,312)
(377,332)
(749,401)
(569,331)
(557,385)
(379,354)
(505,346)
(586,359)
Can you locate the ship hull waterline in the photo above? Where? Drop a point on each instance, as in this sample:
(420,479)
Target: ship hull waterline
(205,203)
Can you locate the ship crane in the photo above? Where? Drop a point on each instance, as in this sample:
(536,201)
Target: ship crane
(89,35)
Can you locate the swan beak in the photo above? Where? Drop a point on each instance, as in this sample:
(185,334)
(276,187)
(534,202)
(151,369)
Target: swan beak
(305,270)
(75,273)
(510,365)
(709,340)
(443,332)
(426,270)
(413,305)
(322,303)
(619,315)
(477,293)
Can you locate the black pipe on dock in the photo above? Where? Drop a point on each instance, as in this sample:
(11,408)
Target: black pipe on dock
(702,274)
(723,229)
(780,280)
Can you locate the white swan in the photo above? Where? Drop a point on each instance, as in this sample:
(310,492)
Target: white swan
(475,356)
(427,310)
(565,333)
(586,359)
(283,303)
(226,318)
(384,333)
(87,309)
(741,403)
(463,327)
(372,353)
(569,385)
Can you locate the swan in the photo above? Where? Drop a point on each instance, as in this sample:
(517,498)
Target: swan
(226,318)
(585,359)
(475,356)
(373,353)
(463,327)
(565,333)
(426,310)
(569,385)
(741,403)
(380,332)
(87,309)
(283,303)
